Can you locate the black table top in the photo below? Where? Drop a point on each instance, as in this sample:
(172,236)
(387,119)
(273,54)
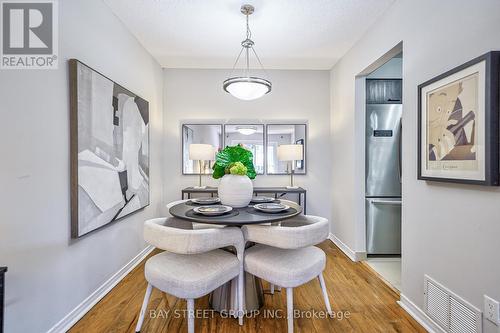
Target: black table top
(246,215)
(257,189)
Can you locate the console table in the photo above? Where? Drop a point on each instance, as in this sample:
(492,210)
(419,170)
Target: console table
(277,191)
(2,292)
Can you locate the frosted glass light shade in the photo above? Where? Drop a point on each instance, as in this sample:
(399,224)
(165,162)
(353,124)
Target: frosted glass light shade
(246,130)
(290,152)
(247,88)
(201,152)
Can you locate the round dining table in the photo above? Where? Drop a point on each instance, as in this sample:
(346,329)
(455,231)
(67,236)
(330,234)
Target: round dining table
(224,298)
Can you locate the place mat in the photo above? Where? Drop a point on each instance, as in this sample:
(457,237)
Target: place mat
(289,211)
(191,213)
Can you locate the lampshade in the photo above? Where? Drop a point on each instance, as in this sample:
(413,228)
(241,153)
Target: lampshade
(290,152)
(201,152)
(247,88)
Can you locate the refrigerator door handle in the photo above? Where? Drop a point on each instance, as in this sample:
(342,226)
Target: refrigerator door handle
(400,138)
(385,202)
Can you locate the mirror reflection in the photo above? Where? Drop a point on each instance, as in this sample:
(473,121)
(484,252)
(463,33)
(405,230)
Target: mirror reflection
(289,134)
(200,142)
(251,137)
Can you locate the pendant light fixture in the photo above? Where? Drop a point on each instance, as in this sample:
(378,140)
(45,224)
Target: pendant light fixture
(247,87)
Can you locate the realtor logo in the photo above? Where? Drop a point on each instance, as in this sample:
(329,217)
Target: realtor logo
(29,34)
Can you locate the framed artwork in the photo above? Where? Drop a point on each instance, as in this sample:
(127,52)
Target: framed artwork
(299,164)
(458,124)
(109,129)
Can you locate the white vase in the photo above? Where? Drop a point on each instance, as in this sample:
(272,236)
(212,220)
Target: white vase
(235,191)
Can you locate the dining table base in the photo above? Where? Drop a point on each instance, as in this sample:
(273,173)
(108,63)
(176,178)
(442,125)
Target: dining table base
(225,298)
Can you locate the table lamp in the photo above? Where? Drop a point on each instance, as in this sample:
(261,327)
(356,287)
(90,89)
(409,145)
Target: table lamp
(201,152)
(291,153)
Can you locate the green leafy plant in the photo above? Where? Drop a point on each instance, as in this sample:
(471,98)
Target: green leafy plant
(234,160)
(238,169)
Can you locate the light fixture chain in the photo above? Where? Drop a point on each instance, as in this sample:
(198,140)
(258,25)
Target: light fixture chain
(236,62)
(258,59)
(248,62)
(249,32)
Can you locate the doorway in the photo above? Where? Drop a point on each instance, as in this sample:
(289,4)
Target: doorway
(381,110)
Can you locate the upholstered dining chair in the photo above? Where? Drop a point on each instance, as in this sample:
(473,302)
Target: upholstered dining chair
(192,264)
(285,256)
(196,225)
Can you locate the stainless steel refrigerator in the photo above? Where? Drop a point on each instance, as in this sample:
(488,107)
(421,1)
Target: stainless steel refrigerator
(383,178)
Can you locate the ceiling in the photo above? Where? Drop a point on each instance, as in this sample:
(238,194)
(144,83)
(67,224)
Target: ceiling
(288,34)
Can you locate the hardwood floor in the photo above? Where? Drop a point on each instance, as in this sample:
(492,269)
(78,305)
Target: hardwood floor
(351,287)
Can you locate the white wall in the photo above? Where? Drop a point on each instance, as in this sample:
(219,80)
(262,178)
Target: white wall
(392,69)
(449,231)
(50,274)
(197,95)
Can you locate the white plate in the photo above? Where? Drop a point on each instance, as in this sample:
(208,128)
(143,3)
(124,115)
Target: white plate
(271,207)
(260,199)
(205,201)
(212,210)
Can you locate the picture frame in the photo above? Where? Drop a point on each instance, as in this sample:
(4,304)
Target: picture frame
(458,115)
(109,150)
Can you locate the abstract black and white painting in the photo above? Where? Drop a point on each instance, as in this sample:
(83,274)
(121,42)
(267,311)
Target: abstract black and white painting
(109,150)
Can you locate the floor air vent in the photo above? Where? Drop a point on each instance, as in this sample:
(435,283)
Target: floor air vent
(449,311)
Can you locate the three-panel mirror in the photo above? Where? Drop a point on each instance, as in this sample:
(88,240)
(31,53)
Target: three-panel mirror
(200,143)
(270,145)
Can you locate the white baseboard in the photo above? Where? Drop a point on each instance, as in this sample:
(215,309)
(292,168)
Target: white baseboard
(353,255)
(81,309)
(419,315)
